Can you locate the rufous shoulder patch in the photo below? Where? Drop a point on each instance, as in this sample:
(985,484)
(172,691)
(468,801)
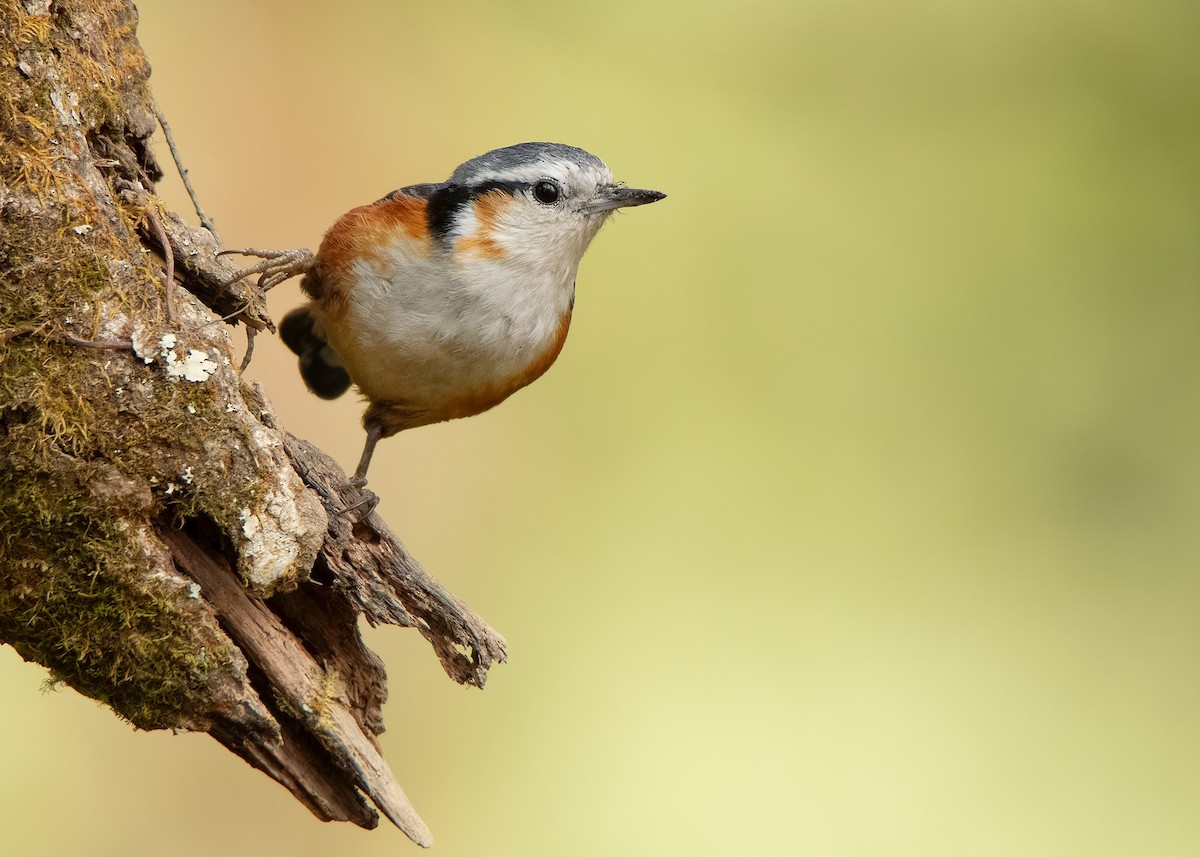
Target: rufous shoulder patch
(365,232)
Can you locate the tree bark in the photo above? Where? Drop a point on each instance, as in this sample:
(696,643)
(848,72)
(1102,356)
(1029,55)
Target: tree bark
(166,547)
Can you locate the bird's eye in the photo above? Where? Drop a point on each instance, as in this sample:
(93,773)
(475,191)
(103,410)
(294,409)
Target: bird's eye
(546,192)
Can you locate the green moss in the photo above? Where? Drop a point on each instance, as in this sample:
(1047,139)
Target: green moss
(77,596)
(75,601)
(100,74)
(79,591)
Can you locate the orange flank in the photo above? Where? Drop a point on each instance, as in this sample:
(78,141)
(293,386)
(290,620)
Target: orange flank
(471,402)
(546,359)
(394,417)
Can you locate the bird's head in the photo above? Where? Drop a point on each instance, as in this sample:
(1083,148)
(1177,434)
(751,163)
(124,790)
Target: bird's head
(535,203)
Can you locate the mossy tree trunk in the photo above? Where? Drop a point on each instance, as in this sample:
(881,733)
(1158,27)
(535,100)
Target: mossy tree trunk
(165,547)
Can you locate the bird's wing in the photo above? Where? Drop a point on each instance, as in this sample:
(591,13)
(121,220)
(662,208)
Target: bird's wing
(420,191)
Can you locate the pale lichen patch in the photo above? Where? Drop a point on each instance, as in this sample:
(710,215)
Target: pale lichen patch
(251,523)
(277,539)
(197,366)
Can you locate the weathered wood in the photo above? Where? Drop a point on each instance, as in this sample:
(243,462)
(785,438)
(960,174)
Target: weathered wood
(307,694)
(385,583)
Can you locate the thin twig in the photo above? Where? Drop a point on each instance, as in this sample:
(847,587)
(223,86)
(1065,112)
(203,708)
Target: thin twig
(250,334)
(7,336)
(115,344)
(169,256)
(237,312)
(183,174)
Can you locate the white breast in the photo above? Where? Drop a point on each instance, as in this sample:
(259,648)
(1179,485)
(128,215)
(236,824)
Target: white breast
(425,330)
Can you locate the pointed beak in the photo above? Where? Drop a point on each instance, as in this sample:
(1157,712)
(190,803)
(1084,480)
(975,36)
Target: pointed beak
(613,197)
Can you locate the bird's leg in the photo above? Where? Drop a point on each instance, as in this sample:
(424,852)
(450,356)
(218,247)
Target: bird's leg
(374,433)
(369,499)
(275,265)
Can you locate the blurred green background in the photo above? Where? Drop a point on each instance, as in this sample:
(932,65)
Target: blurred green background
(861,513)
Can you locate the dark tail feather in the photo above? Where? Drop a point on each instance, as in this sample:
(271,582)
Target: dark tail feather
(319,366)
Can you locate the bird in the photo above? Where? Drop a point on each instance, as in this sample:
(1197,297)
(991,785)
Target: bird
(441,300)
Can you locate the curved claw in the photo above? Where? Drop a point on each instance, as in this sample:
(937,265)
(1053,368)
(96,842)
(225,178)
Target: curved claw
(366,503)
(275,266)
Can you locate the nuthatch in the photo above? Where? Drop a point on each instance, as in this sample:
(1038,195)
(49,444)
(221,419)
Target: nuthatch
(440,301)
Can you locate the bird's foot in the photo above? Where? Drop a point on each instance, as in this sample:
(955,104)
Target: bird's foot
(274,266)
(366,502)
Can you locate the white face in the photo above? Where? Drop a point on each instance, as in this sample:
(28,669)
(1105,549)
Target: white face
(553,213)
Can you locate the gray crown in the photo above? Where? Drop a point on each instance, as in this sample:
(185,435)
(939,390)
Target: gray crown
(498,161)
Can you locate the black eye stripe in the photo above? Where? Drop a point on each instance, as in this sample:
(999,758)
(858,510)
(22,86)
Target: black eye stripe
(443,204)
(448,199)
(484,188)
